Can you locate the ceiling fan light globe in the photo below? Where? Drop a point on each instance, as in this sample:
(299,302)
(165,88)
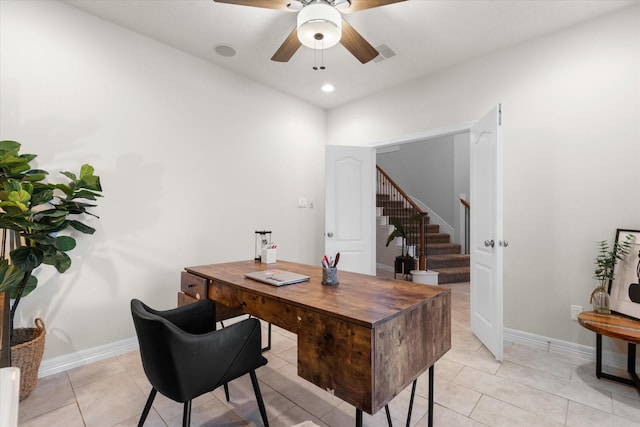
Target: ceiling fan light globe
(319,26)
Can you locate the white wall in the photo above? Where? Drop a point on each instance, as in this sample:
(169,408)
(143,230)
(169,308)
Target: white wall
(193,160)
(571,154)
(424,170)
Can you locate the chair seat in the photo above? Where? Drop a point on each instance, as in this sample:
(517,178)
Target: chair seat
(184,356)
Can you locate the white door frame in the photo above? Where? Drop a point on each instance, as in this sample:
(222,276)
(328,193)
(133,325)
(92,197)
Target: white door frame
(428,134)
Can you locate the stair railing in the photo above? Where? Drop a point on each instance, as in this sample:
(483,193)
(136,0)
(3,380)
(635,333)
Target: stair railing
(467,224)
(402,207)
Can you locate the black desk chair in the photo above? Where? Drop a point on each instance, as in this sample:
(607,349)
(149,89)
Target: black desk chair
(184,356)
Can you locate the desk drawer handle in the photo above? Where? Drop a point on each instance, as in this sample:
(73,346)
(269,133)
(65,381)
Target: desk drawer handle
(243,304)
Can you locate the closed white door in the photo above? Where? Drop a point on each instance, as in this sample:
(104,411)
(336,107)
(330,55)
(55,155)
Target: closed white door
(486,231)
(350,207)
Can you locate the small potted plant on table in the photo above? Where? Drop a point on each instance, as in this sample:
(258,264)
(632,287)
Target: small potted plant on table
(604,271)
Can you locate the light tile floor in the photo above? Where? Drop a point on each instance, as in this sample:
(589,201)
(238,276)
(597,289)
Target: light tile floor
(530,388)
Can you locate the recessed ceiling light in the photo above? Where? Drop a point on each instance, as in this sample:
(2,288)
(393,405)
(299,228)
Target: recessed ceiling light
(225,50)
(328,87)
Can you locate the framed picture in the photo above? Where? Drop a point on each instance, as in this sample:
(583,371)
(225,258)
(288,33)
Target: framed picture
(625,287)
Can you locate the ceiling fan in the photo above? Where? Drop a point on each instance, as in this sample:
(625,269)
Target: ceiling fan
(320,25)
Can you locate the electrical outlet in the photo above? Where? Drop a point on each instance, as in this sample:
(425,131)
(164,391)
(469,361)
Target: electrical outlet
(575,310)
(302,202)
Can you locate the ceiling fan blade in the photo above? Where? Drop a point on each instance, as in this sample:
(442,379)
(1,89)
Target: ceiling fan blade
(287,48)
(356,44)
(357,5)
(265,4)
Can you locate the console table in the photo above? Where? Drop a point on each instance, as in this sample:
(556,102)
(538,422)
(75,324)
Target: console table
(618,327)
(364,340)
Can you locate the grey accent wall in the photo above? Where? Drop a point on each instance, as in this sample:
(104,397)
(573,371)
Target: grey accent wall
(434,171)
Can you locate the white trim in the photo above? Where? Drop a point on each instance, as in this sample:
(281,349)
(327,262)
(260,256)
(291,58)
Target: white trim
(434,218)
(426,134)
(577,351)
(384,267)
(565,348)
(84,357)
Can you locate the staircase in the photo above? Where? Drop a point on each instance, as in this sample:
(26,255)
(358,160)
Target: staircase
(442,255)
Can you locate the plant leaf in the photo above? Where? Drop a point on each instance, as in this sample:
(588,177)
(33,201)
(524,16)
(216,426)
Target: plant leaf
(81,227)
(65,243)
(27,257)
(59,260)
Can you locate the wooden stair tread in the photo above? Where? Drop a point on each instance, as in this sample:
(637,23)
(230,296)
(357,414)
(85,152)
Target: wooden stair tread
(443,256)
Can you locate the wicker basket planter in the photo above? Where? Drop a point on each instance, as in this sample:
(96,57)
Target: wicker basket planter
(27,355)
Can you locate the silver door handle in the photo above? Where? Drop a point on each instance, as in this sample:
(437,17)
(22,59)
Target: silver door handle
(503,243)
(329,234)
(489,243)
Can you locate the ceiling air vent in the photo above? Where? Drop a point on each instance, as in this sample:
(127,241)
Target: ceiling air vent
(385,53)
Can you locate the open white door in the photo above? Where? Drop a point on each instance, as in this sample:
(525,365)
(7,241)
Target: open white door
(485,230)
(350,207)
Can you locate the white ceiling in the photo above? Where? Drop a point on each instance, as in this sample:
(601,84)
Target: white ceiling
(426,35)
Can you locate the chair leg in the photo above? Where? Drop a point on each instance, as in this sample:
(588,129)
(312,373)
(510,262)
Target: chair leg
(256,390)
(186,414)
(147,406)
(226,391)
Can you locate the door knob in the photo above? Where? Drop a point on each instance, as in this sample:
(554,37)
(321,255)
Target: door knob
(489,243)
(503,243)
(329,234)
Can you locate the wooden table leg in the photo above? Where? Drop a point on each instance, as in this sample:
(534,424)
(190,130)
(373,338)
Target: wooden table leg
(631,365)
(598,356)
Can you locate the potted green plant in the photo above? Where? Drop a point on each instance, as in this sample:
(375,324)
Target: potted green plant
(34,215)
(404,262)
(605,263)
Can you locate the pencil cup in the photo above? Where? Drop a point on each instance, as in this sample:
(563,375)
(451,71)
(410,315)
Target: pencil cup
(268,256)
(330,276)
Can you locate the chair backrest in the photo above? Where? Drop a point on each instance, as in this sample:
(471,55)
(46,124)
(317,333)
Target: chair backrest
(184,356)
(158,337)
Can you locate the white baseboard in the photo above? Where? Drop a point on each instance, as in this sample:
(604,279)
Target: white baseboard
(565,348)
(384,267)
(576,351)
(84,357)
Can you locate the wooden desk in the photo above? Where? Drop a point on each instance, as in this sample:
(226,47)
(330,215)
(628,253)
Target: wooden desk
(619,327)
(364,340)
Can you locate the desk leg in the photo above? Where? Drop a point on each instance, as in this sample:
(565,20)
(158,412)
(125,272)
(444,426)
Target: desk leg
(386,407)
(430,414)
(268,347)
(413,394)
(358,417)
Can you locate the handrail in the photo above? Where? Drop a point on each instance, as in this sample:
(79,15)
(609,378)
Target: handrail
(467,225)
(402,207)
(400,190)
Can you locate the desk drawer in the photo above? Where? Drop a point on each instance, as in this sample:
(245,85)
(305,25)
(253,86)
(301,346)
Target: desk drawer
(184,299)
(268,309)
(223,312)
(336,356)
(194,286)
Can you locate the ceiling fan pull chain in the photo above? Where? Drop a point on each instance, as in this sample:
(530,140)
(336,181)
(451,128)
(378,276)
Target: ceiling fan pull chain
(315,56)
